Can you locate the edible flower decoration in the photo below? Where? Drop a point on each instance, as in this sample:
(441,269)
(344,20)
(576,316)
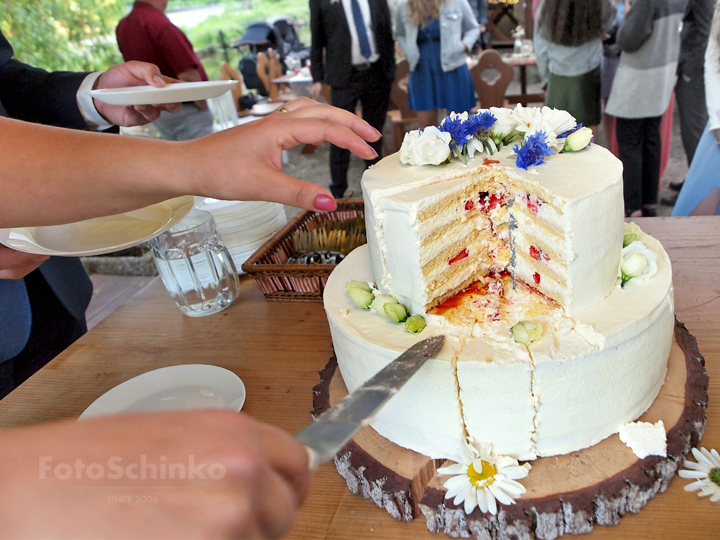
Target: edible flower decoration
(631,233)
(706,473)
(366,296)
(576,139)
(638,263)
(480,478)
(544,132)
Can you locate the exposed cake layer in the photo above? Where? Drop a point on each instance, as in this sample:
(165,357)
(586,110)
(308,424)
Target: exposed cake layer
(587,376)
(567,217)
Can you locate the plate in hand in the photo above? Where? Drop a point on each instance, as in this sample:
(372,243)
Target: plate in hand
(171,93)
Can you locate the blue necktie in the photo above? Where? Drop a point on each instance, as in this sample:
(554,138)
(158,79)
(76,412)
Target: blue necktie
(360,27)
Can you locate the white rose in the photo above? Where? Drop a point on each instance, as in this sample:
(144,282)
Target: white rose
(505,124)
(578,140)
(638,263)
(407,146)
(561,121)
(432,147)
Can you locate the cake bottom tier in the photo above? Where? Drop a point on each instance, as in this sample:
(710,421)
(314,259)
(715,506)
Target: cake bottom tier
(566,494)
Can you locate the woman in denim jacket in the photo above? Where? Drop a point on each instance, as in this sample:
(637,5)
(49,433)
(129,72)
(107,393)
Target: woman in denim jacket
(435,36)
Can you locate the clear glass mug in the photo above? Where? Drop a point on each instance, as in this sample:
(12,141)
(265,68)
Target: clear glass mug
(195,265)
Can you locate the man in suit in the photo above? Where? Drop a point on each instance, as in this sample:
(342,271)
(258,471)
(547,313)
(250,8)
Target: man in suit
(353,51)
(43,301)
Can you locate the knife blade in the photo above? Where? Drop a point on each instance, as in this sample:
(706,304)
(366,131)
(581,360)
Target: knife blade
(329,432)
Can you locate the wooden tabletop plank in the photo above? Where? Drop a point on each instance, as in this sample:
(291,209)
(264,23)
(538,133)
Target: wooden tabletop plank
(277,348)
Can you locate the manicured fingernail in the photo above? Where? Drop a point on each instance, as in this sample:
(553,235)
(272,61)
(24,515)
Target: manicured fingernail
(325,203)
(374,151)
(158,79)
(378,133)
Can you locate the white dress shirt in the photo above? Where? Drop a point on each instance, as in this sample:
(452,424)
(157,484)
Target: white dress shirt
(86,105)
(357,57)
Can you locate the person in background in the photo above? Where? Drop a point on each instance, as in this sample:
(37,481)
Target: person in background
(435,36)
(610,61)
(568,46)
(43,300)
(51,175)
(690,85)
(480,10)
(649,41)
(700,194)
(352,51)
(147,35)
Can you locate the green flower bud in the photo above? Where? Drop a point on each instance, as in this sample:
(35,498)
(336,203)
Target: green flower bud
(631,233)
(526,332)
(378,304)
(577,140)
(396,312)
(363,299)
(415,324)
(362,285)
(633,266)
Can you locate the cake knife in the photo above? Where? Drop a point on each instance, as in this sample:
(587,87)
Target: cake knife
(328,433)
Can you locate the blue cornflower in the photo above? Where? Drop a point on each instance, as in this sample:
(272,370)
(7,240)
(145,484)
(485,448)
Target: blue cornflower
(457,129)
(480,122)
(569,131)
(534,150)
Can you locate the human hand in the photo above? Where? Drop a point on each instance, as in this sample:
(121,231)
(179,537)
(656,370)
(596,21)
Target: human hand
(233,477)
(316,92)
(245,162)
(133,74)
(716,132)
(16,264)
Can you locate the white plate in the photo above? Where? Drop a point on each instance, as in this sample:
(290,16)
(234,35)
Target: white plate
(191,386)
(99,235)
(172,93)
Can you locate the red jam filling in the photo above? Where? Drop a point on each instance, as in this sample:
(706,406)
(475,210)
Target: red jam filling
(469,205)
(536,278)
(488,161)
(460,256)
(534,253)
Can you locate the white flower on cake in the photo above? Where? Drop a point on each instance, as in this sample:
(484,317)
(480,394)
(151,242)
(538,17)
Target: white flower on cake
(631,233)
(577,140)
(505,124)
(525,117)
(481,477)
(706,473)
(560,121)
(429,147)
(542,125)
(638,263)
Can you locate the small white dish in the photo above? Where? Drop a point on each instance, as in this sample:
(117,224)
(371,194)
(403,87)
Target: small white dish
(101,235)
(171,93)
(172,388)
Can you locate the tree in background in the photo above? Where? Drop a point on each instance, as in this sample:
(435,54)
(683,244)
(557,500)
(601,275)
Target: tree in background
(76,35)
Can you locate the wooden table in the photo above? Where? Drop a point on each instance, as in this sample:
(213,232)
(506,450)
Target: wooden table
(277,348)
(522,63)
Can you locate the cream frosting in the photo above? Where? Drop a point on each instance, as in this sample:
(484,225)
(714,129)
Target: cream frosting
(586,377)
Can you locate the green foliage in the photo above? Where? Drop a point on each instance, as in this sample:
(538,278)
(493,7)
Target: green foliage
(63,34)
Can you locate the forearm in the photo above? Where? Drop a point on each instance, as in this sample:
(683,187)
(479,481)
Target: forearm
(91,174)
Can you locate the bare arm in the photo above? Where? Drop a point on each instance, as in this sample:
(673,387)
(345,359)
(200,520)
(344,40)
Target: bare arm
(51,175)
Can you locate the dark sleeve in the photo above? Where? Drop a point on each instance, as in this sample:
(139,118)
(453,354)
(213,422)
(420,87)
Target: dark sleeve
(34,95)
(693,41)
(480,10)
(318,41)
(637,26)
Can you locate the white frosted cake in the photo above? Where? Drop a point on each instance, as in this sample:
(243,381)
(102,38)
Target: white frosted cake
(549,347)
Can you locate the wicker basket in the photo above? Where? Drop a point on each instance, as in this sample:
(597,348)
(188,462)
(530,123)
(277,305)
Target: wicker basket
(296,282)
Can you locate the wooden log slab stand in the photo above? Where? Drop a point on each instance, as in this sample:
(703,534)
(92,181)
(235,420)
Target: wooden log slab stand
(565,494)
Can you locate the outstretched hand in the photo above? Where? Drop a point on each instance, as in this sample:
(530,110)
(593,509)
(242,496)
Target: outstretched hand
(189,474)
(133,74)
(247,160)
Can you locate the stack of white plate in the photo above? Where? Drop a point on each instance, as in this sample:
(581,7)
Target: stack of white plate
(244,225)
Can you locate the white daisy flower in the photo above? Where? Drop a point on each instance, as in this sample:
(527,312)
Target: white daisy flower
(524,117)
(706,473)
(543,125)
(481,477)
(561,121)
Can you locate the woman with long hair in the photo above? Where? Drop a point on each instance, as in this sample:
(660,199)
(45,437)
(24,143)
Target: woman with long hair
(435,36)
(568,46)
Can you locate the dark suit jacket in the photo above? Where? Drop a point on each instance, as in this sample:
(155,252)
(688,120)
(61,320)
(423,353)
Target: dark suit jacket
(34,95)
(330,53)
(693,40)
